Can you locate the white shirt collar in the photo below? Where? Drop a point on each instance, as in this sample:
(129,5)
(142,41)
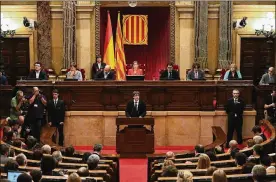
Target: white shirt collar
(136,101)
(37,74)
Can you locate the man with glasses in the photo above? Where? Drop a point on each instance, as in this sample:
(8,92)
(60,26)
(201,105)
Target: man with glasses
(37,73)
(234,109)
(170,73)
(269,77)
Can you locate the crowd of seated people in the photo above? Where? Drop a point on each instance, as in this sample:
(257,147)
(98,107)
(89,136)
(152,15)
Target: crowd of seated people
(259,164)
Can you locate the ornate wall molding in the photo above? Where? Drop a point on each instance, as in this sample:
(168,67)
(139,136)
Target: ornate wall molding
(172,31)
(44,41)
(225,34)
(201,33)
(69,33)
(97,28)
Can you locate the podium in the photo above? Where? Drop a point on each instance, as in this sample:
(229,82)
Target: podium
(134,141)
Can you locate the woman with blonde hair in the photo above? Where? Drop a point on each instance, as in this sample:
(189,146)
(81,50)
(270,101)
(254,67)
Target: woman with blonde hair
(184,176)
(73,177)
(219,176)
(232,73)
(203,162)
(135,70)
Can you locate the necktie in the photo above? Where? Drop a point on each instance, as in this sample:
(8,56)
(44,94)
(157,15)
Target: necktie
(235,101)
(136,106)
(196,74)
(55,103)
(170,74)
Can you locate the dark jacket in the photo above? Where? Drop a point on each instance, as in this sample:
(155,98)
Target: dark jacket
(234,110)
(96,69)
(164,75)
(42,75)
(56,113)
(132,112)
(100,76)
(191,75)
(36,109)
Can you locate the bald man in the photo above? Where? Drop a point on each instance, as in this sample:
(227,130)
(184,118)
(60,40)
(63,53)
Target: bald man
(106,74)
(268,77)
(36,111)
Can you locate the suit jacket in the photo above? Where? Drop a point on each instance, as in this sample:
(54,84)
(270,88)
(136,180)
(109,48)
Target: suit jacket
(100,76)
(234,110)
(265,79)
(138,72)
(164,75)
(96,69)
(42,75)
(56,113)
(132,112)
(191,75)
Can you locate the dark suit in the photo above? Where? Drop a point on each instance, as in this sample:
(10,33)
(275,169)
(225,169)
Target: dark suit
(100,76)
(56,114)
(165,75)
(96,69)
(131,111)
(191,75)
(42,75)
(235,119)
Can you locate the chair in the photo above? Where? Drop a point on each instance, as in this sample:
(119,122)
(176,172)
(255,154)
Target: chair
(141,66)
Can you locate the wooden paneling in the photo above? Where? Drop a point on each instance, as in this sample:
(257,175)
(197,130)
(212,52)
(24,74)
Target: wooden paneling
(5,100)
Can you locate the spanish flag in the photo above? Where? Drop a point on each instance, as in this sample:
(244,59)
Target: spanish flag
(108,44)
(120,53)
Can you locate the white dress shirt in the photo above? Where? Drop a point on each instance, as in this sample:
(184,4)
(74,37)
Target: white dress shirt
(37,74)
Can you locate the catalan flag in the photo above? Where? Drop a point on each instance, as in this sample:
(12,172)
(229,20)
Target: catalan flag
(108,44)
(120,53)
(135,29)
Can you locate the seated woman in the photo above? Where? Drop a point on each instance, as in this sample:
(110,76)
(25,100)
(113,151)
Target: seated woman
(74,73)
(232,73)
(135,69)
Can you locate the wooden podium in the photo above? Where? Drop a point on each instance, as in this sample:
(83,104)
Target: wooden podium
(134,140)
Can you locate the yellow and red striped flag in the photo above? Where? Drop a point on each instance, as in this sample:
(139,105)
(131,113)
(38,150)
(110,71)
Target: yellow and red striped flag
(120,53)
(109,44)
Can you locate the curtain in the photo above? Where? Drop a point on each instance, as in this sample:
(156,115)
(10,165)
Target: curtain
(156,54)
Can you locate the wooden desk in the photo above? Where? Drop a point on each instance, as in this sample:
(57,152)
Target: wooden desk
(158,95)
(5,100)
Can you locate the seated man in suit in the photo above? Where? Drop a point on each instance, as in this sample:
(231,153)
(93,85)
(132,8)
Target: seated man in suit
(268,77)
(37,73)
(195,73)
(106,74)
(169,74)
(98,66)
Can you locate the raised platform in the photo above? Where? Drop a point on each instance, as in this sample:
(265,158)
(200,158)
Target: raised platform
(172,128)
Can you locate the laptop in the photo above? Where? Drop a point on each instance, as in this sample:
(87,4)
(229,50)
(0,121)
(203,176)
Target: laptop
(70,79)
(13,175)
(135,77)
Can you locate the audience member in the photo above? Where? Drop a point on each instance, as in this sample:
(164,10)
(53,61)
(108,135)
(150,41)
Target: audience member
(97,149)
(83,172)
(240,159)
(169,171)
(170,156)
(30,142)
(219,149)
(4,151)
(17,143)
(24,177)
(85,156)
(257,131)
(249,143)
(57,156)
(266,162)
(93,161)
(47,165)
(210,171)
(203,162)
(258,173)
(37,155)
(184,176)
(219,176)
(16,106)
(73,177)
(21,159)
(247,167)
(211,155)
(16,129)
(11,153)
(258,153)
(199,149)
(233,144)
(167,163)
(46,149)
(257,139)
(11,165)
(69,151)
(232,73)
(10,136)
(36,175)
(74,73)
(268,77)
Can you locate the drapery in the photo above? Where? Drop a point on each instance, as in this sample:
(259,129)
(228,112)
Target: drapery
(156,54)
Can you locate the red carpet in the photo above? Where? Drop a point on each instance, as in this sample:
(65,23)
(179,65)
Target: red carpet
(133,170)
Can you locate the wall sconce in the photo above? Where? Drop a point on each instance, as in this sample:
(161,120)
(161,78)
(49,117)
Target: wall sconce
(268,29)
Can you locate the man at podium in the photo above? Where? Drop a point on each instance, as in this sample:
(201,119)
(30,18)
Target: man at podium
(136,107)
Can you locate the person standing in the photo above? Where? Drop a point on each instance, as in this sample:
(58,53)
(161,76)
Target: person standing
(56,114)
(234,109)
(269,106)
(35,113)
(16,108)
(98,66)
(136,107)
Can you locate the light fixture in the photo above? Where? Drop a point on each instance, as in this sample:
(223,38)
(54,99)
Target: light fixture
(6,27)
(268,28)
(132,3)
